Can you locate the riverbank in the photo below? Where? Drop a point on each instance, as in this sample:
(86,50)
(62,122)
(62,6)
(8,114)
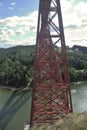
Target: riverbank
(76,84)
(14,88)
(79,103)
(79,83)
(73,121)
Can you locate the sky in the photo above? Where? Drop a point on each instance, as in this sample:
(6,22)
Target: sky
(18,22)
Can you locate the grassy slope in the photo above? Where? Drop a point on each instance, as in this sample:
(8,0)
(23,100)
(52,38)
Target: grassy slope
(75,121)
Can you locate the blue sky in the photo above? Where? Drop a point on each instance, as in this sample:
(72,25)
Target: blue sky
(11,8)
(18,22)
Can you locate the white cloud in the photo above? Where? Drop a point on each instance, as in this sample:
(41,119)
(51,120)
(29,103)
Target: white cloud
(75,22)
(27,21)
(18,30)
(74,14)
(13,3)
(75,18)
(10,8)
(4,37)
(81,9)
(24,28)
(10,32)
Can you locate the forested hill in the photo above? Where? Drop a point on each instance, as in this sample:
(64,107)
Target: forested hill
(13,51)
(16,65)
(80,48)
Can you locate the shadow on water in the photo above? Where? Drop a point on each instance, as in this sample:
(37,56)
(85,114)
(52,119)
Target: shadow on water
(13,104)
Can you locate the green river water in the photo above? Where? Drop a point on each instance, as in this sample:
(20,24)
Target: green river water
(15,106)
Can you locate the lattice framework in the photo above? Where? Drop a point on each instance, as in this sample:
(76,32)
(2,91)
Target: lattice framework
(51,98)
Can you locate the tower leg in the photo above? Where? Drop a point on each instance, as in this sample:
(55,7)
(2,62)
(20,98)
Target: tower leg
(51,97)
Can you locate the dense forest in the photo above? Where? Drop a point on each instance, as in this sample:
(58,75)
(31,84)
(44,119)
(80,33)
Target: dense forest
(16,65)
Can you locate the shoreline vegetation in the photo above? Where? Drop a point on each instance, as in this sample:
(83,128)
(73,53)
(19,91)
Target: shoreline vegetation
(14,88)
(78,83)
(16,65)
(74,84)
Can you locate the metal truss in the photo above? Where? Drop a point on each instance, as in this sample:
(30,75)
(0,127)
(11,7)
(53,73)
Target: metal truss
(51,97)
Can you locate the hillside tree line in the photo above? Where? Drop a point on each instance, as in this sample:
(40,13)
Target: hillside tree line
(16,65)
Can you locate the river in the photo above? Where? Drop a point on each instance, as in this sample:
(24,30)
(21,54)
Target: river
(15,106)
(79,97)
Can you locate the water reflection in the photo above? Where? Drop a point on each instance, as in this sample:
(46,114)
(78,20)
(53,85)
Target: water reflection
(14,103)
(79,99)
(73,91)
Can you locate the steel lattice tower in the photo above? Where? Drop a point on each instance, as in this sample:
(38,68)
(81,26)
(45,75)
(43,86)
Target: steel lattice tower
(51,97)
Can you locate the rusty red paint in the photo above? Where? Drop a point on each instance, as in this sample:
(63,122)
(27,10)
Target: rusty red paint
(51,97)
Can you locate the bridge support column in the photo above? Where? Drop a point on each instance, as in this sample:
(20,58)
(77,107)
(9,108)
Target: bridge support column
(51,97)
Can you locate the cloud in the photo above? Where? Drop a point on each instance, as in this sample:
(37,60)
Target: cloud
(75,13)
(10,32)
(81,9)
(18,30)
(75,22)
(22,30)
(27,21)
(10,8)
(13,3)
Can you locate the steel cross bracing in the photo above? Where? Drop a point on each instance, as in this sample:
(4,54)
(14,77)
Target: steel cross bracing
(51,97)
